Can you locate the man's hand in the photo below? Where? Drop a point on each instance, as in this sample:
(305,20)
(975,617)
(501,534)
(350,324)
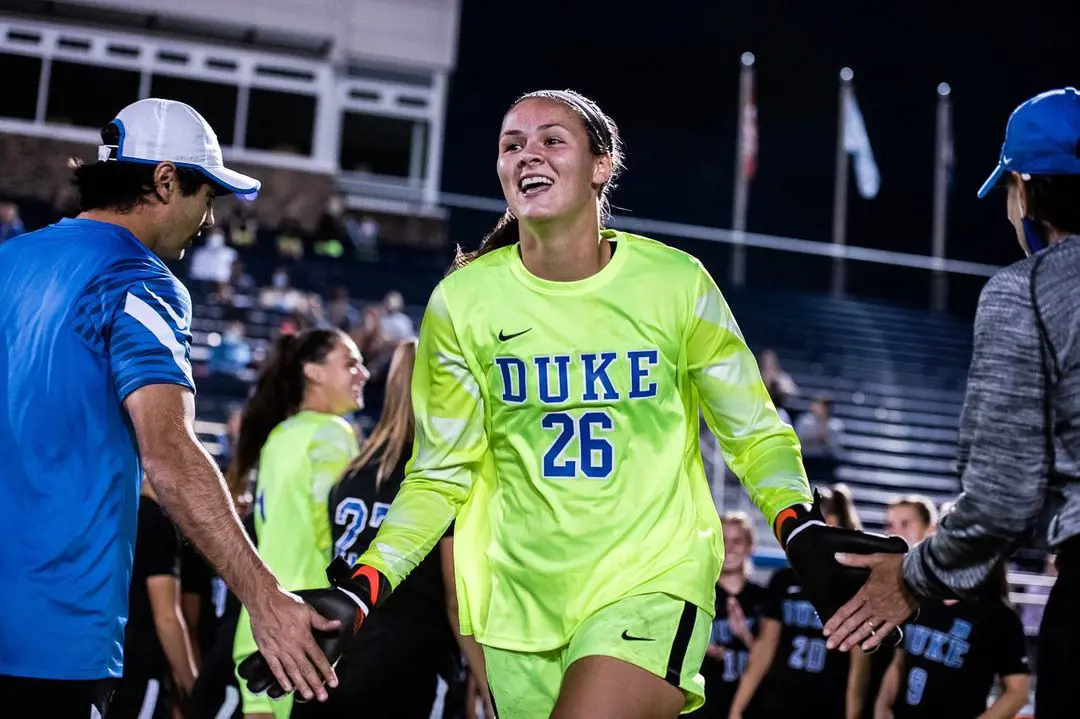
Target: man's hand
(883,603)
(812,547)
(193,494)
(353,594)
(283,628)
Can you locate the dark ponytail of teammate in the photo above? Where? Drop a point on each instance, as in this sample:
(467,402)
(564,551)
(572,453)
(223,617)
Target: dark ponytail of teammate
(838,506)
(279,390)
(604,139)
(393,433)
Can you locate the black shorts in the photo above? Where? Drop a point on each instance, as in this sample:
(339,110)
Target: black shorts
(1059,640)
(54,698)
(140,697)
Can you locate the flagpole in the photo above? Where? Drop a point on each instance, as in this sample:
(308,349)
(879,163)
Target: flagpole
(840,190)
(742,182)
(942,162)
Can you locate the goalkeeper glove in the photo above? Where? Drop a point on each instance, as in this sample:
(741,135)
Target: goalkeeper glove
(353,593)
(811,546)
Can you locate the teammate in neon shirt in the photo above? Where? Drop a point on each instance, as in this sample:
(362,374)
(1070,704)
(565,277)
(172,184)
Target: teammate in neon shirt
(294,436)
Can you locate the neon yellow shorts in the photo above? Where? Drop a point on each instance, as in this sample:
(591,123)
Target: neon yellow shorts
(657,632)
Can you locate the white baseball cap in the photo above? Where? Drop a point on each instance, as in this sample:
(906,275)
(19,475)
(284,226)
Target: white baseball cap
(153,130)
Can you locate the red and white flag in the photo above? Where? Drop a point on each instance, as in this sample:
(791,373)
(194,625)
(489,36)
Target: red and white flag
(748,132)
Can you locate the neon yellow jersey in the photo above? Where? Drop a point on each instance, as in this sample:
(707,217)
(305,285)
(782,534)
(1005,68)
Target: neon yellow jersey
(302,460)
(558,421)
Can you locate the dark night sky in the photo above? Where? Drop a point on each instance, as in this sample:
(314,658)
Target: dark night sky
(668,73)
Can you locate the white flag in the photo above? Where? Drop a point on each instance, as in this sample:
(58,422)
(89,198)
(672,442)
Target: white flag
(857,143)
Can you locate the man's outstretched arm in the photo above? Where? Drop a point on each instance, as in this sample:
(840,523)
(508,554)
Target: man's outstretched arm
(192,491)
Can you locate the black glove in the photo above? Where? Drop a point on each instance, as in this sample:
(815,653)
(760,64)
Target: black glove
(353,594)
(811,546)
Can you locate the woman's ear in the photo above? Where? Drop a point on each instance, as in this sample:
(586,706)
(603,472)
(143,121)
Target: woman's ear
(313,372)
(601,170)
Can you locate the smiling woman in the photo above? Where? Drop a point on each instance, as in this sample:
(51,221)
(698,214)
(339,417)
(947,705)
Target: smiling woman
(559,377)
(573,141)
(295,441)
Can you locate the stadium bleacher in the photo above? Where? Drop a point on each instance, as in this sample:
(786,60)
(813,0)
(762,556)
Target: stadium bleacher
(895,377)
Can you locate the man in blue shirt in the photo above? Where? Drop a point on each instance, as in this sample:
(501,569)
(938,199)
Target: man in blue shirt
(95,391)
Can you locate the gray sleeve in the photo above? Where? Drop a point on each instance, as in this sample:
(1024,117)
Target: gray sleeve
(1003,452)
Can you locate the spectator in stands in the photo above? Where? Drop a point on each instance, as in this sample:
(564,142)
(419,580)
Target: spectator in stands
(332,223)
(290,238)
(281,295)
(377,350)
(213,261)
(396,325)
(911,517)
(365,237)
(10,222)
(341,314)
(781,386)
(223,294)
(243,225)
(240,279)
(233,354)
(159,666)
(821,436)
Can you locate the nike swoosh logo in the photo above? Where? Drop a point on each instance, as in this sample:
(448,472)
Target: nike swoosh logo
(181,324)
(627,637)
(503,336)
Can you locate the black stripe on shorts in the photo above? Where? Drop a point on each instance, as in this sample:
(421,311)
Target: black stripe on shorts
(681,644)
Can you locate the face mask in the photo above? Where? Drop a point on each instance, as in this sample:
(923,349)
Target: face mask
(281,280)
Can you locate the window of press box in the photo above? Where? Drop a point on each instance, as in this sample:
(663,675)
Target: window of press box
(88,95)
(280,121)
(215,101)
(20,73)
(381,145)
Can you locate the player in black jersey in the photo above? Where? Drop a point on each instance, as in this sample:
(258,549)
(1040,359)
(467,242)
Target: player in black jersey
(159,668)
(790,675)
(912,517)
(407,656)
(952,653)
(217,691)
(740,604)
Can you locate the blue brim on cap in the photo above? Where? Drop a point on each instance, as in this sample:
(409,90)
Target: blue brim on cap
(992,181)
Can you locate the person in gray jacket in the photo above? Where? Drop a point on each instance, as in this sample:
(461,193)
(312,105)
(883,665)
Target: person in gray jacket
(1019,449)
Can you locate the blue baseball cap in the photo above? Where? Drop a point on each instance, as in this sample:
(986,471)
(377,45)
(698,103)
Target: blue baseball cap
(1042,138)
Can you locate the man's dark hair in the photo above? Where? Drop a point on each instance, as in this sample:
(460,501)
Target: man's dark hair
(1055,200)
(120,186)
